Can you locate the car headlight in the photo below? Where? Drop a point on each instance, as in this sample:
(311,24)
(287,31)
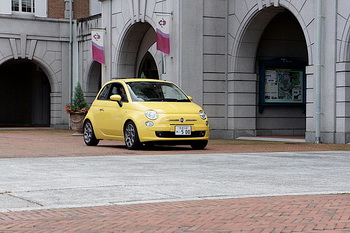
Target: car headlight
(151,114)
(202,115)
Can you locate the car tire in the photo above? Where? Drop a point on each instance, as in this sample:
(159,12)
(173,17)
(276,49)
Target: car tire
(131,136)
(89,135)
(199,145)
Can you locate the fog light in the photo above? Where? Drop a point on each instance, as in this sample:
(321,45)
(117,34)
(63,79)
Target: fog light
(149,123)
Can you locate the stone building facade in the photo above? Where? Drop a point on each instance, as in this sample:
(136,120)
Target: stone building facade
(35,42)
(233,57)
(258,67)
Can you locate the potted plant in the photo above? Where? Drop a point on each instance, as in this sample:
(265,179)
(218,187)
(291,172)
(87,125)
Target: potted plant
(77,110)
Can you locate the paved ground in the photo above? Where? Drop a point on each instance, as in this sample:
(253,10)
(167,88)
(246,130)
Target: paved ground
(61,143)
(322,172)
(321,213)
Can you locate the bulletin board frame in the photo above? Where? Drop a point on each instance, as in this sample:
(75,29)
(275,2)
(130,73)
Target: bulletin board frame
(282,83)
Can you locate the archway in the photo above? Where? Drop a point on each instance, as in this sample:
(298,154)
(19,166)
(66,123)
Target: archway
(136,57)
(93,81)
(271,33)
(283,45)
(148,67)
(24,95)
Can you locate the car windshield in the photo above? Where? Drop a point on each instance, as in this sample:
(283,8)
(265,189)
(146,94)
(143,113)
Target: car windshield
(156,91)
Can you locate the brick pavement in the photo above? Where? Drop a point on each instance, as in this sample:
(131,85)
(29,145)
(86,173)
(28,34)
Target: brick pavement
(314,213)
(53,143)
(320,213)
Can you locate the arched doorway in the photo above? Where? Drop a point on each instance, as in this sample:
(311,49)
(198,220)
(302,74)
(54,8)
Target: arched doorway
(24,95)
(93,82)
(148,67)
(268,34)
(283,47)
(136,56)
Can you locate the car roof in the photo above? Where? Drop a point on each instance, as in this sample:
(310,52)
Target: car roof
(126,80)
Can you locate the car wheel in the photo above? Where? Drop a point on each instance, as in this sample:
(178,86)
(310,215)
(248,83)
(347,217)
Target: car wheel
(89,135)
(131,136)
(199,145)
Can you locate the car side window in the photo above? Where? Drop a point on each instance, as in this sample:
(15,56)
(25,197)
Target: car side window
(104,95)
(118,89)
(113,89)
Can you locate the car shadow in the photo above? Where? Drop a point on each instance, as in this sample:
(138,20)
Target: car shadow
(153,148)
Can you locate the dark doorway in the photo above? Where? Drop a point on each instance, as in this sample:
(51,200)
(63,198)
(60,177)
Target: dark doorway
(24,95)
(93,82)
(148,67)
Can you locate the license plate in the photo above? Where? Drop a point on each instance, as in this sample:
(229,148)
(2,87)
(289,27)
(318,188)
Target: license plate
(182,130)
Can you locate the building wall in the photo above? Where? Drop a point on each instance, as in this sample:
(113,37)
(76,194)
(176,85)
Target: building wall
(56,9)
(95,7)
(81,8)
(342,68)
(45,43)
(215,92)
(60,8)
(214,56)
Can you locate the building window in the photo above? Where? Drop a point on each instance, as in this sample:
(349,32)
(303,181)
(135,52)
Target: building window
(23,6)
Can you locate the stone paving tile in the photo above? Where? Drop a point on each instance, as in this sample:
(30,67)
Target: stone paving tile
(314,213)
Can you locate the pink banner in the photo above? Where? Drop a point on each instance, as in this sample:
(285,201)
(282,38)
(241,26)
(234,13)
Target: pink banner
(163,34)
(98,51)
(163,42)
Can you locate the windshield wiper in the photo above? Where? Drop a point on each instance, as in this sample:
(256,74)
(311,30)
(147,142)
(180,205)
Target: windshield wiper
(175,100)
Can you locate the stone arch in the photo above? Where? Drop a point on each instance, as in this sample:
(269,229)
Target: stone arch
(27,88)
(93,81)
(243,67)
(344,50)
(253,27)
(138,41)
(44,66)
(49,73)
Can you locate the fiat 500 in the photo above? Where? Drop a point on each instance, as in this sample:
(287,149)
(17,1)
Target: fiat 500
(145,112)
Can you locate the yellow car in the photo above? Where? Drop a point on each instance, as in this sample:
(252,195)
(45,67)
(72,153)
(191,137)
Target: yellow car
(145,112)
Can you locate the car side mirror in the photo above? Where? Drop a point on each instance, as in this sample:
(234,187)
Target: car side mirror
(117,98)
(190,97)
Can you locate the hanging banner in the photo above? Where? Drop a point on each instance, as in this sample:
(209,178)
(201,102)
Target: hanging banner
(163,33)
(98,50)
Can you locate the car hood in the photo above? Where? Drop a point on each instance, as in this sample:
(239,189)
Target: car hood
(171,107)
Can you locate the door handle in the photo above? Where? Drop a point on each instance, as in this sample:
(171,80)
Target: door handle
(102,110)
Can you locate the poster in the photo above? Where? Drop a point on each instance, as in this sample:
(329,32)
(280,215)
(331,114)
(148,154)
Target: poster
(283,86)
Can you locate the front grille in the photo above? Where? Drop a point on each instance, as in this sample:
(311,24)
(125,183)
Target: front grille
(167,134)
(181,120)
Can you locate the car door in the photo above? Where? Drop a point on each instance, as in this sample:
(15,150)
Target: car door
(108,116)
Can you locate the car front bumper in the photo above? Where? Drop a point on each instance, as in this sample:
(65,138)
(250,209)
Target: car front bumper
(164,130)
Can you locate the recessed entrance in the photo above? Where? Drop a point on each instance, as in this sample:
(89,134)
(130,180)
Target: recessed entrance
(148,67)
(136,56)
(283,39)
(93,82)
(24,95)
